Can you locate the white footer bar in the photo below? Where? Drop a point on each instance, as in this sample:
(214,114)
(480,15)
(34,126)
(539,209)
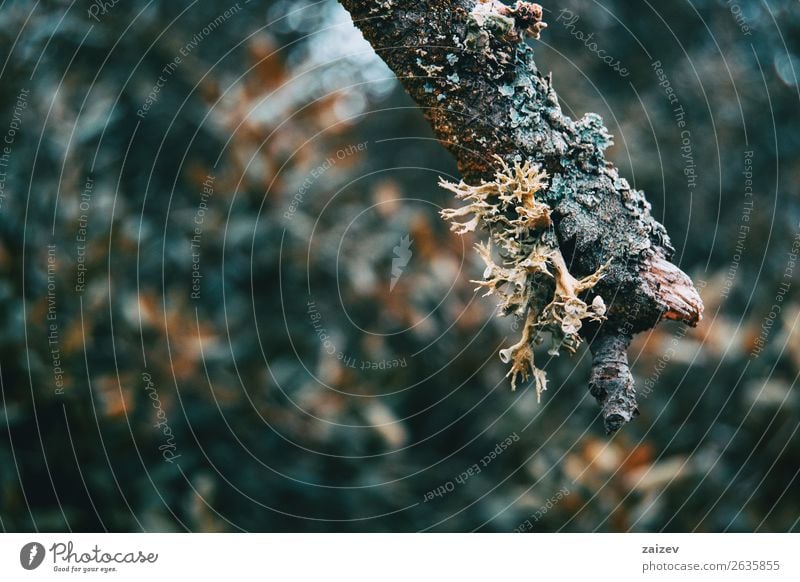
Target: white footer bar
(400,557)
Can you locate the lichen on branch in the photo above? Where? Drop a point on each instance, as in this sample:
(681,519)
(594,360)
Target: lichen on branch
(492,19)
(467,65)
(531,279)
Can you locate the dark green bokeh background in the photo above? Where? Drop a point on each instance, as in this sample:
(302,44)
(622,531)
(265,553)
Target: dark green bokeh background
(274,433)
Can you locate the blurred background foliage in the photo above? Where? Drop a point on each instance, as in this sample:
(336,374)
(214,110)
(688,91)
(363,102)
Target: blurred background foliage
(274,425)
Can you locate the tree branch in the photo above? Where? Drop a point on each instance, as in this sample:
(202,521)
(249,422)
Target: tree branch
(466,64)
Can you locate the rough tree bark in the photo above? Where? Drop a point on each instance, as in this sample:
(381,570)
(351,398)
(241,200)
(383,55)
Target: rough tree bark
(466,64)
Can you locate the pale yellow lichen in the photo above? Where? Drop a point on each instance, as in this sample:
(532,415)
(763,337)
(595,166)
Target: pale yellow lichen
(531,279)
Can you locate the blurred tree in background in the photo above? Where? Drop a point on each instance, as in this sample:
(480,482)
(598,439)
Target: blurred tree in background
(228,302)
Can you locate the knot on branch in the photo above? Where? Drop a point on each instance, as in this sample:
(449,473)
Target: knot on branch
(674,290)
